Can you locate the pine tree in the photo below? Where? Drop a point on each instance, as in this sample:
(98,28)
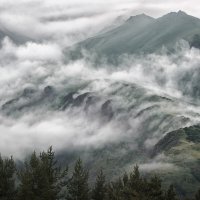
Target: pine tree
(135,184)
(78,188)
(125,179)
(155,189)
(30,179)
(55,179)
(99,190)
(135,179)
(41,178)
(170,194)
(115,190)
(7,181)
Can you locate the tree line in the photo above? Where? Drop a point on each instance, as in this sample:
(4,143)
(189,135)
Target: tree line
(41,178)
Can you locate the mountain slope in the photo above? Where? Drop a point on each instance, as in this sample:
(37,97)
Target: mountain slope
(15,37)
(182,148)
(143,34)
(115,41)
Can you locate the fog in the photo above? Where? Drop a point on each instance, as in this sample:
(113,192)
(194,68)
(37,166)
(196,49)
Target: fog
(37,121)
(67,22)
(132,105)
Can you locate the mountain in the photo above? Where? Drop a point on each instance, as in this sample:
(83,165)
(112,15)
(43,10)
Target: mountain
(182,147)
(144,118)
(144,34)
(144,125)
(144,112)
(115,23)
(15,37)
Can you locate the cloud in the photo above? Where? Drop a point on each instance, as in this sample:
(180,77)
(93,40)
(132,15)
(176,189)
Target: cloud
(32,51)
(69,22)
(53,25)
(63,21)
(149,167)
(41,124)
(63,131)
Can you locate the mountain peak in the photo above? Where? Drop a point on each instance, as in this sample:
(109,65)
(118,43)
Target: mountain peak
(176,14)
(144,34)
(180,12)
(139,17)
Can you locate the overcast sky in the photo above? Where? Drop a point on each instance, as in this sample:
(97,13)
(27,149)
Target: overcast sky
(54,8)
(68,21)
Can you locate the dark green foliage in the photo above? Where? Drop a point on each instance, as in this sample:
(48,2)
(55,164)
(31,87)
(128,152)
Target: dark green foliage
(99,191)
(41,178)
(7,181)
(125,179)
(115,190)
(135,187)
(55,178)
(78,188)
(135,180)
(170,194)
(155,189)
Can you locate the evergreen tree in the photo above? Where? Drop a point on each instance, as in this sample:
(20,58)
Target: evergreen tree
(7,181)
(155,189)
(41,179)
(30,179)
(135,179)
(134,187)
(78,188)
(170,194)
(125,179)
(99,190)
(55,178)
(115,190)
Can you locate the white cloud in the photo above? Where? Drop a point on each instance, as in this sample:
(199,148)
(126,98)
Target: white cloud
(148,167)
(68,22)
(36,65)
(32,51)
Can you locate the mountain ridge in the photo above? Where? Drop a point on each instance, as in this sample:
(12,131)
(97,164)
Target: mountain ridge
(15,37)
(143,15)
(142,34)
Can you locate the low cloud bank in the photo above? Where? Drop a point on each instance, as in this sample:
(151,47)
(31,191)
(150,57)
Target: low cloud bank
(169,77)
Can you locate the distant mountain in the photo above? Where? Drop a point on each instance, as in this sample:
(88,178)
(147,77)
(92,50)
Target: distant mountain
(115,23)
(15,37)
(144,34)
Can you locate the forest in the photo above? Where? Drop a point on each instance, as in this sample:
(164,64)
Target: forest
(40,177)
